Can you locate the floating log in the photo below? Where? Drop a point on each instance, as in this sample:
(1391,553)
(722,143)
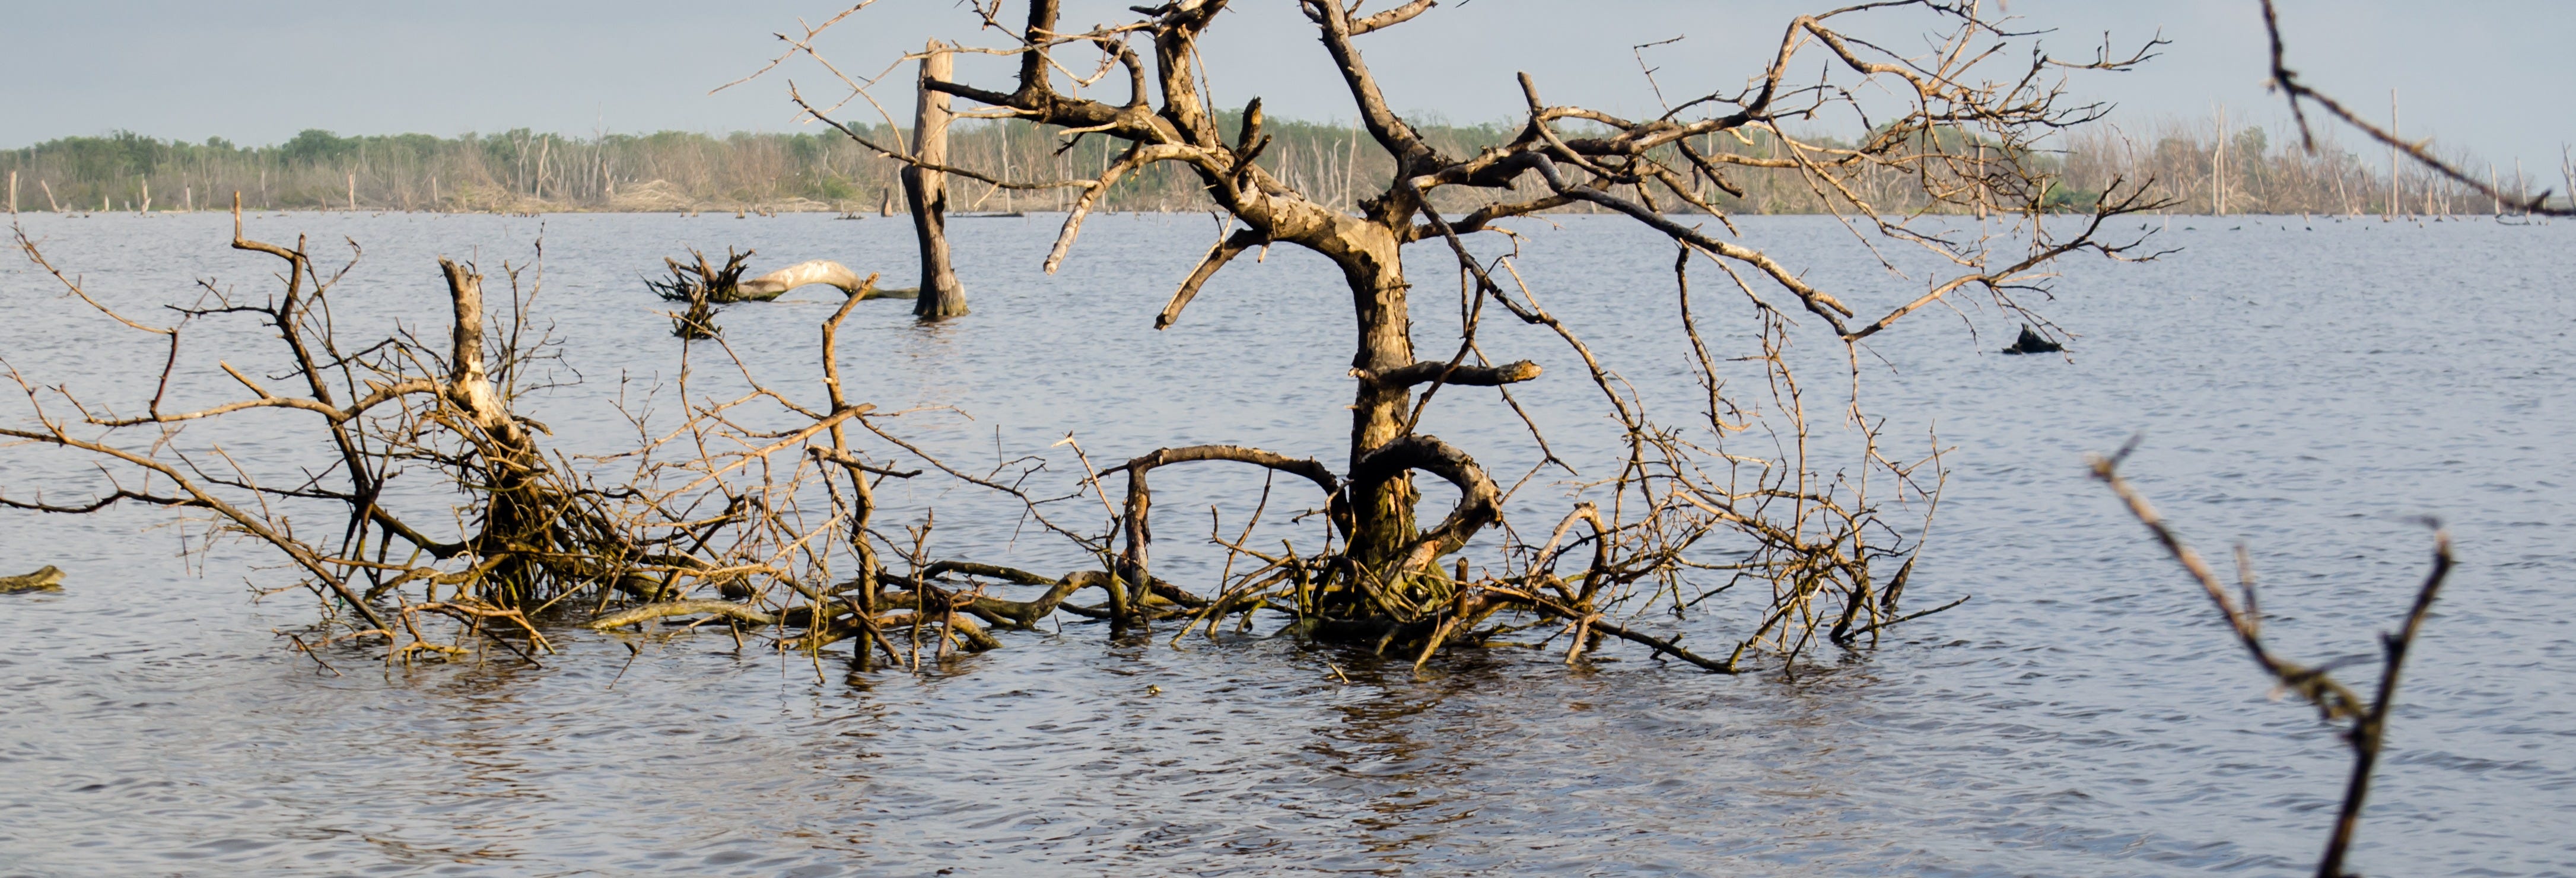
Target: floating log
(820,271)
(46,578)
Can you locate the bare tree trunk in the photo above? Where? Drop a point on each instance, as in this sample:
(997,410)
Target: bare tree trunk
(1383,521)
(2566,171)
(2218,168)
(926,191)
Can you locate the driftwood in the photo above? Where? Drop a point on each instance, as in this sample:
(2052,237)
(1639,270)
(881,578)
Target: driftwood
(702,285)
(650,612)
(820,271)
(46,578)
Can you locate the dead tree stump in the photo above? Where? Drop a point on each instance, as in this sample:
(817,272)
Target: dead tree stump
(925,190)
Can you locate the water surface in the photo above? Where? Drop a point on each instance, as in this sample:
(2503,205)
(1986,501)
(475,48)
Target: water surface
(2307,387)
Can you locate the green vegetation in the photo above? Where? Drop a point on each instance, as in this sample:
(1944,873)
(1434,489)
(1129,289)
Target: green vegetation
(523,171)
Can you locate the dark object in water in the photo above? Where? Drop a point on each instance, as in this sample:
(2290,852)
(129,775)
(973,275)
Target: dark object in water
(2032,343)
(46,578)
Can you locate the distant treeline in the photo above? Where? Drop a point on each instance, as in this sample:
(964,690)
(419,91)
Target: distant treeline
(525,172)
(522,171)
(2251,170)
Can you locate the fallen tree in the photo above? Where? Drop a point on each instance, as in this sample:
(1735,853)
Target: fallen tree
(740,513)
(703,285)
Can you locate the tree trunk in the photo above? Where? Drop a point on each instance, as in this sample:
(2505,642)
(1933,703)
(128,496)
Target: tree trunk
(926,191)
(1382,518)
(520,514)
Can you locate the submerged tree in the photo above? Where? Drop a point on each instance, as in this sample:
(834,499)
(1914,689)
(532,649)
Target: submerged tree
(1963,138)
(925,192)
(766,501)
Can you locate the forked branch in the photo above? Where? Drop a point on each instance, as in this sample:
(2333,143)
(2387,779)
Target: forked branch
(2364,723)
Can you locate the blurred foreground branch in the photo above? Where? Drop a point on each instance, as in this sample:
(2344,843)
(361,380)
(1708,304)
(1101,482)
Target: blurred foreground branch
(2363,723)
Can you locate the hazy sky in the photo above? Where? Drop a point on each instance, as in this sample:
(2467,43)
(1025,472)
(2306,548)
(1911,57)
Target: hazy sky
(2496,76)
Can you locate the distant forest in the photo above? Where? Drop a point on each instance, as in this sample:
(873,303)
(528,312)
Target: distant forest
(2247,171)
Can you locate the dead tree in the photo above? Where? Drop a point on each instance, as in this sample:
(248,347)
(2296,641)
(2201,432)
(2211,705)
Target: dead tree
(925,189)
(700,285)
(1963,143)
(744,497)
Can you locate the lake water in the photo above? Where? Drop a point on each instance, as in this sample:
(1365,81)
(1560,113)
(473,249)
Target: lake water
(2307,387)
